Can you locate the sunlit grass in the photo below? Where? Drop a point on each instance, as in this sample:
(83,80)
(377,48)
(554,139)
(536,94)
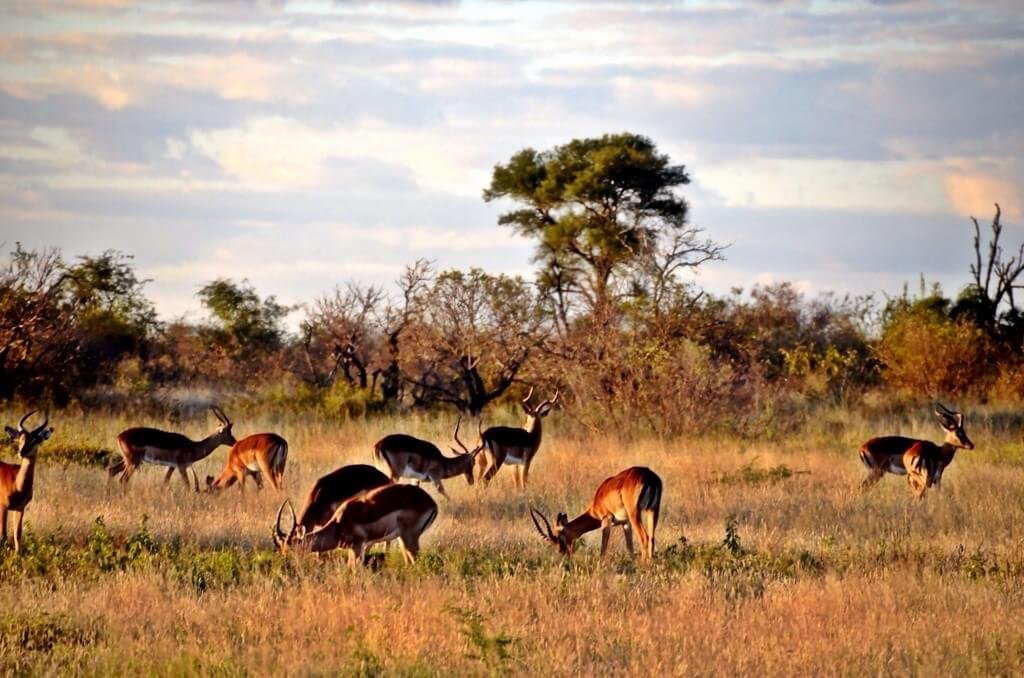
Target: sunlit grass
(785,567)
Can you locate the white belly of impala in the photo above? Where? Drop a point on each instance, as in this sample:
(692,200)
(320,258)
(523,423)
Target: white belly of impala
(149,458)
(410,472)
(897,469)
(513,460)
(253,467)
(620,516)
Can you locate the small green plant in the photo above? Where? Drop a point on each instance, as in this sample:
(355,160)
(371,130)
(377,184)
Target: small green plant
(494,650)
(749,474)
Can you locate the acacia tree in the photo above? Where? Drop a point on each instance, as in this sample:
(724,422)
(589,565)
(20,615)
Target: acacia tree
(602,210)
(472,336)
(242,325)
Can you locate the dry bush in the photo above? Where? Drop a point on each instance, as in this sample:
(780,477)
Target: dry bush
(929,355)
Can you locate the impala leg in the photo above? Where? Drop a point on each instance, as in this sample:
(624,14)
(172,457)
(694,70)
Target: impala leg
(184,477)
(410,548)
(636,526)
(265,472)
(606,533)
(167,476)
(440,487)
(126,475)
(526,473)
(872,478)
(18,516)
(517,476)
(491,471)
(3,526)
(627,532)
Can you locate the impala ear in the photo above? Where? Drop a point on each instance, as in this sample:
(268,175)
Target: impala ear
(12,433)
(562,520)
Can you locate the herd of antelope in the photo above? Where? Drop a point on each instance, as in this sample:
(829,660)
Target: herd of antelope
(358,505)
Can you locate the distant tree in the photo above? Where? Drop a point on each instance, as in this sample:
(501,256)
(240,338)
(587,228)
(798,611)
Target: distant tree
(473,335)
(989,300)
(242,325)
(601,210)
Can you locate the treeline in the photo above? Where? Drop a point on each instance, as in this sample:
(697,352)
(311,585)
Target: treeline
(609,320)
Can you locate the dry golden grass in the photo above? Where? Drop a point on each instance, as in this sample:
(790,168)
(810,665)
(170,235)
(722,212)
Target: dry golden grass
(825,580)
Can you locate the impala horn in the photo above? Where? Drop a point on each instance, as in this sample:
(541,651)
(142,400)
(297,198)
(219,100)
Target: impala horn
(21,424)
(280,538)
(528,396)
(534,513)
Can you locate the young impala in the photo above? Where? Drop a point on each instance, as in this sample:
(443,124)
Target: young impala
(262,455)
(920,460)
(515,447)
(172,450)
(16,480)
(409,457)
(402,512)
(631,499)
(326,495)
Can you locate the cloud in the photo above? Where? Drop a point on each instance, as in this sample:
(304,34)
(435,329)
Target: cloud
(974,195)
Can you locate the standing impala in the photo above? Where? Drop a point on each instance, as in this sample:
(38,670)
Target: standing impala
(16,480)
(921,461)
(514,446)
(631,499)
(262,455)
(409,457)
(400,512)
(172,450)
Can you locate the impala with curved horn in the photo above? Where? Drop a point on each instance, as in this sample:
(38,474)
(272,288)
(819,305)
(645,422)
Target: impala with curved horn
(16,480)
(631,499)
(262,455)
(172,450)
(516,447)
(323,499)
(409,457)
(402,512)
(922,461)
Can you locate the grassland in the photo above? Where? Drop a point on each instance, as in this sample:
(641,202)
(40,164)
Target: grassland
(770,562)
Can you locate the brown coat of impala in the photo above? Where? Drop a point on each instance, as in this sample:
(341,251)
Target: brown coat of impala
(408,457)
(17,480)
(922,461)
(402,512)
(515,447)
(173,450)
(631,499)
(262,455)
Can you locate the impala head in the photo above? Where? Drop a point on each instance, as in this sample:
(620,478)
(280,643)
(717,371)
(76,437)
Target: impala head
(556,537)
(296,533)
(28,440)
(953,422)
(224,436)
(537,413)
(468,455)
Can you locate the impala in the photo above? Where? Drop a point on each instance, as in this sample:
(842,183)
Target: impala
(400,512)
(631,499)
(409,457)
(326,495)
(260,455)
(514,446)
(16,480)
(921,461)
(172,450)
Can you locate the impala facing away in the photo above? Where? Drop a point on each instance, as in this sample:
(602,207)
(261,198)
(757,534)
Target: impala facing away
(326,495)
(172,450)
(400,512)
(631,498)
(409,457)
(920,460)
(16,480)
(514,446)
(262,455)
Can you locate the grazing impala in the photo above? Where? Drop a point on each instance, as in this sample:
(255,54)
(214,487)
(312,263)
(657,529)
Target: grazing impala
(172,450)
(262,455)
(327,494)
(409,457)
(920,460)
(631,499)
(516,447)
(400,512)
(16,480)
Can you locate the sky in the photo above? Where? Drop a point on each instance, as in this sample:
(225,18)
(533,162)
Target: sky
(836,144)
